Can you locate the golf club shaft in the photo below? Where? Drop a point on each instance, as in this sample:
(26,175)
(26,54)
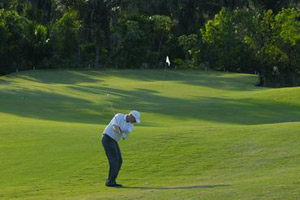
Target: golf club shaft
(112,109)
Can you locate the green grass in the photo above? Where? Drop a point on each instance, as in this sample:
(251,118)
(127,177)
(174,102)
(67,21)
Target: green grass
(204,135)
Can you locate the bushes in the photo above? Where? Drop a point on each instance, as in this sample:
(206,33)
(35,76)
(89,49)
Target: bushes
(274,45)
(137,41)
(12,28)
(247,40)
(65,39)
(25,44)
(141,40)
(36,44)
(113,34)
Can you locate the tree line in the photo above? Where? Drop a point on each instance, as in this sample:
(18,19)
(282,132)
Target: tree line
(247,36)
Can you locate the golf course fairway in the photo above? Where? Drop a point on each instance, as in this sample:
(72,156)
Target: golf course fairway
(204,135)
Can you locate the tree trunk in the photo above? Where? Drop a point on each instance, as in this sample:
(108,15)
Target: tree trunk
(97,55)
(110,44)
(79,54)
(160,46)
(225,3)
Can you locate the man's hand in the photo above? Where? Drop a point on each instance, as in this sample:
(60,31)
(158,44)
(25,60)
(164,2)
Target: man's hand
(117,129)
(124,136)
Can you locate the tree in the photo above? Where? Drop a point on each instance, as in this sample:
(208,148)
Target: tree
(223,48)
(162,26)
(36,44)
(12,27)
(192,47)
(65,36)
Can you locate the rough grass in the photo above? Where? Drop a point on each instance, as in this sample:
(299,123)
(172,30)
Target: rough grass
(204,135)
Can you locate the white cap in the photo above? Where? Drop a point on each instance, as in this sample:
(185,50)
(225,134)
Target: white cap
(136,114)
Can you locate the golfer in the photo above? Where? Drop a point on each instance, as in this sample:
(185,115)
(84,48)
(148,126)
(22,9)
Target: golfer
(119,127)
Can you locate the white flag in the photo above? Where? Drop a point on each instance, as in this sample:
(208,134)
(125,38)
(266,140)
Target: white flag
(168,61)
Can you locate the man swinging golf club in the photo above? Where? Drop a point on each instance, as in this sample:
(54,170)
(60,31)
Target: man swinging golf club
(119,127)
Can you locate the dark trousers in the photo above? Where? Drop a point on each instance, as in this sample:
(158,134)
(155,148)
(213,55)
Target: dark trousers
(114,156)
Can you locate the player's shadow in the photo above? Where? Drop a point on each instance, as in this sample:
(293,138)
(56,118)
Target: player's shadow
(175,188)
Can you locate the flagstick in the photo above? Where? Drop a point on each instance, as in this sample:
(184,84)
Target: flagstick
(164,77)
(167,63)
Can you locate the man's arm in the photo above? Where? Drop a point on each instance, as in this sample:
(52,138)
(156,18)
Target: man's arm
(116,124)
(126,132)
(117,129)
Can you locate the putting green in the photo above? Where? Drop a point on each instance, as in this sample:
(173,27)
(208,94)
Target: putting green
(204,135)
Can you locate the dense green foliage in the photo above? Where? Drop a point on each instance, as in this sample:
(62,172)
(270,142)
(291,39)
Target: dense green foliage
(240,36)
(246,40)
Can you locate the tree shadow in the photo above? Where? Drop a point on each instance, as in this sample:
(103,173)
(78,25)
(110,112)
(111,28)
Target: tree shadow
(59,107)
(211,79)
(244,111)
(52,106)
(175,188)
(57,76)
(47,104)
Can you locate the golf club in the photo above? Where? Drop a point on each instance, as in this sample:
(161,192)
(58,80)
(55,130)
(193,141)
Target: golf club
(113,111)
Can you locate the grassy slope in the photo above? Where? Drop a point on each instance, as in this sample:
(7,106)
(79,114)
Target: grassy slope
(205,135)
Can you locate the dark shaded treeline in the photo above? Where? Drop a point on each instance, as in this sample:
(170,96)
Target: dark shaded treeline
(240,36)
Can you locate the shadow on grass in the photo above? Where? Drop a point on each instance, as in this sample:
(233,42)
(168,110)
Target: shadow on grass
(211,79)
(85,109)
(57,76)
(50,105)
(248,111)
(175,188)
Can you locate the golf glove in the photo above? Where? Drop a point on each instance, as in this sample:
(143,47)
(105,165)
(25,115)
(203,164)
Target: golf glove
(124,135)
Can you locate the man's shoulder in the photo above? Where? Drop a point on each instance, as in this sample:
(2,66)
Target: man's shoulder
(120,115)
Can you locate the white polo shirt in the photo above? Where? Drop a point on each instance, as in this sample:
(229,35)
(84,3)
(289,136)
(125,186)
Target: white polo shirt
(120,121)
